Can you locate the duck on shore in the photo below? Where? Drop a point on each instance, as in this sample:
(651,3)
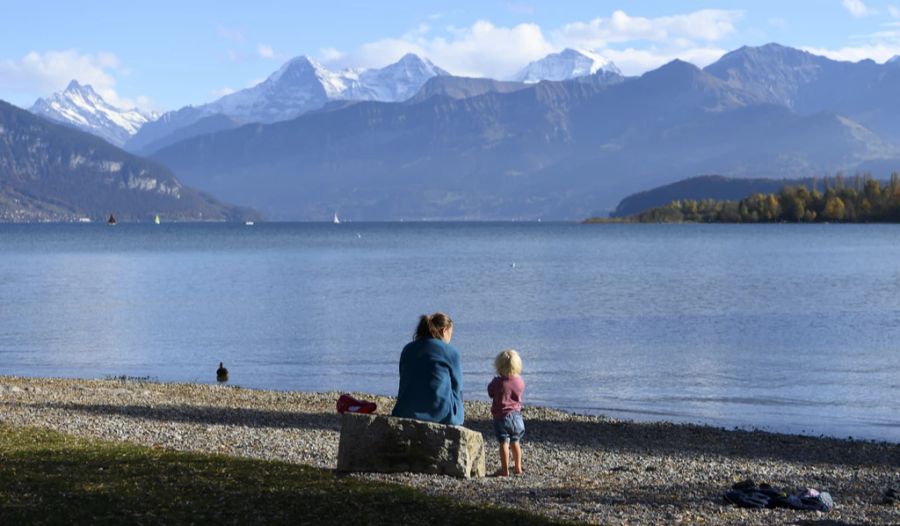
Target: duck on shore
(221,373)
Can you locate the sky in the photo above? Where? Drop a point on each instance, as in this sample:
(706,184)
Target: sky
(165,54)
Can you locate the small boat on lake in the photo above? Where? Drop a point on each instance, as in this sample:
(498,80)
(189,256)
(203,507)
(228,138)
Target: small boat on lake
(336,220)
(156,219)
(111,220)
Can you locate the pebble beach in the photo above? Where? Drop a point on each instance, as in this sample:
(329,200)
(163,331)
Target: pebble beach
(584,468)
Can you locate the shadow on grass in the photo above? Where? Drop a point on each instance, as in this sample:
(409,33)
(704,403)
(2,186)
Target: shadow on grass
(48,478)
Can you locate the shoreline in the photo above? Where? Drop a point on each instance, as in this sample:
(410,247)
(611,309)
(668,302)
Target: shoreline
(578,467)
(610,414)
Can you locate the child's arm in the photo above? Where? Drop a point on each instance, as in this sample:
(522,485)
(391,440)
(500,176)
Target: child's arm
(491,388)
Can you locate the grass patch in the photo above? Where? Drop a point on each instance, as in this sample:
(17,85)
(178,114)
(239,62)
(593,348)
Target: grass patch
(51,478)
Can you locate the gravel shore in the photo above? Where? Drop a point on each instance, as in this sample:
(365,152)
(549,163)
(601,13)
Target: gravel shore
(584,468)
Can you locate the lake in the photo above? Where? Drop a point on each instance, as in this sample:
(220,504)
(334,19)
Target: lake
(792,328)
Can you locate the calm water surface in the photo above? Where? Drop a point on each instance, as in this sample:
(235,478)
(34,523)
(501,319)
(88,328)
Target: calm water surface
(790,328)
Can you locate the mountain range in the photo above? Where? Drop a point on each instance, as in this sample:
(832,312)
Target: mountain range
(863,91)
(299,86)
(53,172)
(561,150)
(462,148)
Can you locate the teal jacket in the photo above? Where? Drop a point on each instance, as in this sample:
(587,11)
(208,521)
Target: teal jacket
(430,383)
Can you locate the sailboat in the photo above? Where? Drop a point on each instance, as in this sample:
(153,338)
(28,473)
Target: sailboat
(156,219)
(336,220)
(111,220)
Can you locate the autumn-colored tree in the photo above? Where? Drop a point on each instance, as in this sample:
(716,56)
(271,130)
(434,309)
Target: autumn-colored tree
(835,209)
(865,199)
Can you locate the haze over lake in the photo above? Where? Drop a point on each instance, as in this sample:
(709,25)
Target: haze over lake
(784,327)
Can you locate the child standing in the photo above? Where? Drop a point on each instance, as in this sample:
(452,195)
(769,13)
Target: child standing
(506,391)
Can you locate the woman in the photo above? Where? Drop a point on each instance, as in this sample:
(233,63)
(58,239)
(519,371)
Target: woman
(431,374)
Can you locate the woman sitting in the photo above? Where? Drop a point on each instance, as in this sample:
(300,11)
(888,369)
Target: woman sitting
(431,374)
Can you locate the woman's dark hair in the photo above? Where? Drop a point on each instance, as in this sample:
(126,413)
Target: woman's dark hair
(432,326)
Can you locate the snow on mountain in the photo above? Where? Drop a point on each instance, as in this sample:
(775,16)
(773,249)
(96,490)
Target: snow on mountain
(394,83)
(302,84)
(893,60)
(565,65)
(80,106)
(299,86)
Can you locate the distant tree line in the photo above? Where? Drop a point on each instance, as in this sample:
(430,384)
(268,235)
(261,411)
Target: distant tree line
(858,199)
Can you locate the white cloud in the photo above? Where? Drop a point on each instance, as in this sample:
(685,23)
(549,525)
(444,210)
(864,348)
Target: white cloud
(857,8)
(636,61)
(381,52)
(707,24)
(330,54)
(265,51)
(480,50)
(50,71)
(894,11)
(484,49)
(877,52)
(145,103)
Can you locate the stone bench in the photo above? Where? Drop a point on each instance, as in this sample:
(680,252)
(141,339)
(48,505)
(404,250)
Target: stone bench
(388,445)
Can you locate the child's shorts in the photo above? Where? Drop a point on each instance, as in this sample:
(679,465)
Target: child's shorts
(510,428)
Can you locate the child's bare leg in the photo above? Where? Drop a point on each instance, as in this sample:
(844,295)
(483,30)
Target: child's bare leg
(504,459)
(517,456)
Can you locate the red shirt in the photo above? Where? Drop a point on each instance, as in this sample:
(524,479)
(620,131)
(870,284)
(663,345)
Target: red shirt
(506,391)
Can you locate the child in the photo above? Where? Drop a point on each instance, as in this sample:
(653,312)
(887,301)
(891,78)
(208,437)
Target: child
(506,391)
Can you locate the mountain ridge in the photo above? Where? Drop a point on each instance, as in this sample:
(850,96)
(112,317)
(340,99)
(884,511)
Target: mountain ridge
(553,149)
(300,85)
(54,172)
(82,107)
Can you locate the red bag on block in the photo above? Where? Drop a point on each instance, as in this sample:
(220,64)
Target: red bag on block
(348,404)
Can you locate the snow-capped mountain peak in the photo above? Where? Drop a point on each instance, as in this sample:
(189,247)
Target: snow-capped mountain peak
(303,84)
(300,85)
(567,64)
(893,60)
(413,62)
(395,82)
(298,69)
(82,107)
(85,93)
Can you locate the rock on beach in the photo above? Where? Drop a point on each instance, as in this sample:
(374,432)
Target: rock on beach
(389,445)
(584,468)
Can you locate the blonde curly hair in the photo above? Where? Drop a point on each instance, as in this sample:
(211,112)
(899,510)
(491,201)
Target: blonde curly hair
(508,363)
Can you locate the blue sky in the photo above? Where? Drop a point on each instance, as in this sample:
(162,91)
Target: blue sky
(166,54)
